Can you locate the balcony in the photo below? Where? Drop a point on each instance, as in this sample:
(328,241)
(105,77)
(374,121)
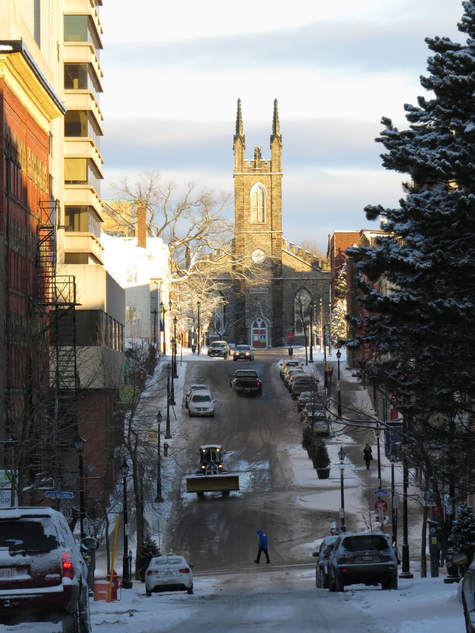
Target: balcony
(78,147)
(84,100)
(83,195)
(83,53)
(83,243)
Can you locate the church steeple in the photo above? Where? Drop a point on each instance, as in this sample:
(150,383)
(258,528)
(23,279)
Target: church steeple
(239,144)
(239,126)
(276,141)
(275,123)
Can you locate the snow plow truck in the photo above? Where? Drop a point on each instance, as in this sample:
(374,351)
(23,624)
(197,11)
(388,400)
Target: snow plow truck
(211,477)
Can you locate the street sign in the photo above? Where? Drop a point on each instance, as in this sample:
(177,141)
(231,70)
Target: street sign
(380,492)
(59,494)
(381,505)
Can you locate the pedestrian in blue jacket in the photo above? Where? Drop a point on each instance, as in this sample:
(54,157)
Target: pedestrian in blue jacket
(262,543)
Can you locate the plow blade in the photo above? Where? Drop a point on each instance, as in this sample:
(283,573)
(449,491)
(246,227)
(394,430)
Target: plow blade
(210,483)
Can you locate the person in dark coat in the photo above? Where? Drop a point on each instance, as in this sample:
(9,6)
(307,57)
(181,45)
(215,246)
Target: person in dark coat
(262,544)
(367,455)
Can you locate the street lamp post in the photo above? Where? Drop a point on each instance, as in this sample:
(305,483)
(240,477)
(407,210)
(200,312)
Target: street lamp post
(162,311)
(338,384)
(159,497)
(406,572)
(167,431)
(79,443)
(199,328)
(126,581)
(378,445)
(341,456)
(311,332)
(175,372)
(393,503)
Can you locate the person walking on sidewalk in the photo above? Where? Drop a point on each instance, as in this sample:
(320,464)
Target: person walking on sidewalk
(367,455)
(262,544)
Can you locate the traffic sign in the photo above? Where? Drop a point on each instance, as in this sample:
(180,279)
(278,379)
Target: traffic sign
(59,494)
(380,492)
(381,505)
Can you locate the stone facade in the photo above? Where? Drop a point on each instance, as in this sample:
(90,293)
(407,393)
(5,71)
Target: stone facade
(263,313)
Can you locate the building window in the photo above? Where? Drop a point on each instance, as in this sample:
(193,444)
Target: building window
(82,220)
(81,77)
(81,123)
(258,204)
(130,313)
(81,171)
(80,28)
(302,310)
(76,258)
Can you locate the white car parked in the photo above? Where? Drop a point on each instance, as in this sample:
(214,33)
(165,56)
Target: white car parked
(201,403)
(192,389)
(168,573)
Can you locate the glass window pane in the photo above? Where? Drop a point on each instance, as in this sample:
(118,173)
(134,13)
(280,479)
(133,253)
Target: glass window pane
(75,76)
(75,170)
(75,28)
(76,123)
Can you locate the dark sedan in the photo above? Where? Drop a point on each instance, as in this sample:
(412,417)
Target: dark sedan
(244,352)
(321,568)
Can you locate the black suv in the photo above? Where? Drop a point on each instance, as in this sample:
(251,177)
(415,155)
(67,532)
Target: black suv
(358,557)
(218,348)
(43,576)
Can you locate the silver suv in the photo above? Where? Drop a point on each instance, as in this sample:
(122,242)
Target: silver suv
(43,576)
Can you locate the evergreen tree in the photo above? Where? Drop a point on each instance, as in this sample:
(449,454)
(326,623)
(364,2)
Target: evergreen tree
(421,330)
(148,551)
(338,324)
(462,535)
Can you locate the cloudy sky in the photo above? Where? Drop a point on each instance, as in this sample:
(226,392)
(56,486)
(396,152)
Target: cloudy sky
(173,73)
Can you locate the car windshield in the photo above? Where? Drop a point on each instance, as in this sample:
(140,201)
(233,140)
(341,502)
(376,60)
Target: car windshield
(243,348)
(365,542)
(26,534)
(246,373)
(170,560)
(218,344)
(201,398)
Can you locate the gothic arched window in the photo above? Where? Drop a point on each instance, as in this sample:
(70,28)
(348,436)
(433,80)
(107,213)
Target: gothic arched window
(258,204)
(302,310)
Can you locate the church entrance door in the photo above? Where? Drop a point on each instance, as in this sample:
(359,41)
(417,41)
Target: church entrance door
(259,333)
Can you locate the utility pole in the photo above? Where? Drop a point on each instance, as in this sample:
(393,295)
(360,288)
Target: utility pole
(199,328)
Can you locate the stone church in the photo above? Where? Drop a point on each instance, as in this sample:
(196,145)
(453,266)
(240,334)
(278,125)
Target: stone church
(291,294)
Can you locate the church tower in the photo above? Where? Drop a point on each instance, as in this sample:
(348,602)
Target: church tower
(258,233)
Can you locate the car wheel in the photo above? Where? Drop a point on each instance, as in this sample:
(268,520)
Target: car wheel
(190,590)
(234,358)
(86,624)
(339,585)
(148,593)
(71,621)
(317,579)
(390,584)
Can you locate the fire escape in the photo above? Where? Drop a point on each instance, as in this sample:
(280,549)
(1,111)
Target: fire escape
(56,304)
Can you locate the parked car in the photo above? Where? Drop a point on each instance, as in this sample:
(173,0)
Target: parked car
(290,373)
(467,587)
(302,383)
(359,557)
(308,397)
(321,567)
(192,389)
(218,348)
(317,420)
(243,351)
(201,403)
(43,576)
(289,364)
(246,381)
(168,573)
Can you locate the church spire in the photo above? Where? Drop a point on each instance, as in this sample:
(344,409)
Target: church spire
(275,122)
(239,126)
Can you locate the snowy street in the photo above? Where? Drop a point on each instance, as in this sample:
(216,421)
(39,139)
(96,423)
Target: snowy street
(280,493)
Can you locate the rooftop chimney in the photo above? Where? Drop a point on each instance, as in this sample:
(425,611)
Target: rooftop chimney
(141,224)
